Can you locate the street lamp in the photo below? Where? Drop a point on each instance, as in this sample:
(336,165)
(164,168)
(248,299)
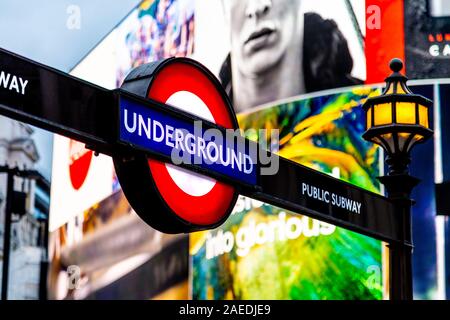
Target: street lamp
(397,120)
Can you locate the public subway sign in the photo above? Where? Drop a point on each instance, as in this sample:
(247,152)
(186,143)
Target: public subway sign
(334,199)
(186,142)
(329,199)
(166,129)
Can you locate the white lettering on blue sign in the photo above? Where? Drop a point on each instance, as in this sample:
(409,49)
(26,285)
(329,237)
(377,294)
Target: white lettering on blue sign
(158,132)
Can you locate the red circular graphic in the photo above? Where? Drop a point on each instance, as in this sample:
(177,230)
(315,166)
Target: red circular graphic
(211,207)
(79,163)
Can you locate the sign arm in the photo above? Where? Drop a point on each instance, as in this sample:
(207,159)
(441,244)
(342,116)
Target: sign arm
(57,102)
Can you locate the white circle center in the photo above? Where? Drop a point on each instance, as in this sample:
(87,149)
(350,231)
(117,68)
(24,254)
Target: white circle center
(192,183)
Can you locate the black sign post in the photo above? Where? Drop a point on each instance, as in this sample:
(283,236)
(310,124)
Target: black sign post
(57,102)
(398,137)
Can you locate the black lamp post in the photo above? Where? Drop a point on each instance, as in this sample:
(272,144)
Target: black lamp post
(397,120)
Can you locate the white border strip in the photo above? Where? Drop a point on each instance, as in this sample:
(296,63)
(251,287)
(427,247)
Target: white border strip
(438,178)
(322,93)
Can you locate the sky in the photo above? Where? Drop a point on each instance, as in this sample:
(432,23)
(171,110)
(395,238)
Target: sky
(58,33)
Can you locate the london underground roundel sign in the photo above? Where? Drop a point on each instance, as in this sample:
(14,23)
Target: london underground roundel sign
(170,198)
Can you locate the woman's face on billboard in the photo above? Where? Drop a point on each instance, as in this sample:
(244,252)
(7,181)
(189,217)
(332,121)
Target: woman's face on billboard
(261,32)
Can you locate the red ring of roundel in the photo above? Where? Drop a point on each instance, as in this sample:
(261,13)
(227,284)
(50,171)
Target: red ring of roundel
(210,208)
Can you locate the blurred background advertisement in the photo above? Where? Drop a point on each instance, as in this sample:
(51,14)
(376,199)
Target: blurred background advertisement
(263,252)
(108,252)
(99,248)
(303,67)
(277,51)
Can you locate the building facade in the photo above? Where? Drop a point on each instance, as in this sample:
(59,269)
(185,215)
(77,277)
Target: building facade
(28,249)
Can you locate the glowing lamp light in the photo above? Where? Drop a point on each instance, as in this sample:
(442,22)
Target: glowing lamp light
(398,119)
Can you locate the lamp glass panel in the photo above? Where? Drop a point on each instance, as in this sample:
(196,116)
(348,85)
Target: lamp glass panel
(389,141)
(416,139)
(423,116)
(402,138)
(406,112)
(390,88)
(369,118)
(400,88)
(376,140)
(383,114)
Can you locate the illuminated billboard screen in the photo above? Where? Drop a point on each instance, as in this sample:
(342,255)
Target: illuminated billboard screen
(263,252)
(92,255)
